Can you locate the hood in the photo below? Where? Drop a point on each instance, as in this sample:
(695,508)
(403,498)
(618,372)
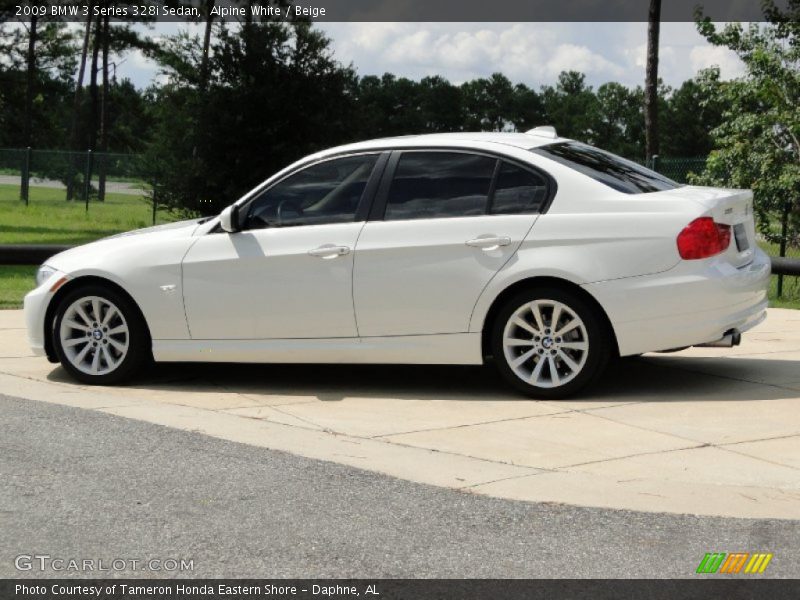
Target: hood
(128,244)
(165,227)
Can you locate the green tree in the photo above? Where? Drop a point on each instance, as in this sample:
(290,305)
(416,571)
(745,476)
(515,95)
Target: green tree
(440,105)
(757,144)
(689,116)
(38,61)
(111,43)
(571,107)
(488,103)
(269,100)
(527,108)
(620,123)
(375,104)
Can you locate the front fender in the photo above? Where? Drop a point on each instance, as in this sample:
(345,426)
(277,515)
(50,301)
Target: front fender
(149,271)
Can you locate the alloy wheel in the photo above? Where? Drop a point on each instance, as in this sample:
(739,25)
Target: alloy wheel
(545,343)
(94,335)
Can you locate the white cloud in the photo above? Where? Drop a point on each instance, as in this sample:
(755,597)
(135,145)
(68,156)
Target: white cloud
(569,57)
(730,66)
(371,36)
(636,56)
(140,61)
(531,53)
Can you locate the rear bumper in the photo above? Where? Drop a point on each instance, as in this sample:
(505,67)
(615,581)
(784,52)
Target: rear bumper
(693,303)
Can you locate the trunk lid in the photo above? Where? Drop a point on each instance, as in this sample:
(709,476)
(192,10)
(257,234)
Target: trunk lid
(729,207)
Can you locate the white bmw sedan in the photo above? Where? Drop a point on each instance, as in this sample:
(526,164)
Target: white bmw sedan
(547,255)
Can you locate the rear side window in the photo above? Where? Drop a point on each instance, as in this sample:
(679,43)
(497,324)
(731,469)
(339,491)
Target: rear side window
(614,171)
(518,191)
(430,185)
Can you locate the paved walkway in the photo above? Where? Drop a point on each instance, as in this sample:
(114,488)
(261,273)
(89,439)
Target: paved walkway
(118,187)
(705,431)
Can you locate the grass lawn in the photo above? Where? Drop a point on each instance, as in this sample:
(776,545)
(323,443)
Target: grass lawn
(791,285)
(791,293)
(15,282)
(49,219)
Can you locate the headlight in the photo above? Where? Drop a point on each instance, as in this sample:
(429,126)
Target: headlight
(43,274)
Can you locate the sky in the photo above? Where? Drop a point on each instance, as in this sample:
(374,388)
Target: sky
(530,53)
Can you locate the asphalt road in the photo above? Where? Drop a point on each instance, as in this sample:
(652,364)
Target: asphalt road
(79,484)
(119,187)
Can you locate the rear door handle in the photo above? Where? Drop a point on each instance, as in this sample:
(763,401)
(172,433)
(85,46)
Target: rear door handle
(329,251)
(489,242)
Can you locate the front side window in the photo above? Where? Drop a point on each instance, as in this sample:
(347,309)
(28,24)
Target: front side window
(430,185)
(615,172)
(327,192)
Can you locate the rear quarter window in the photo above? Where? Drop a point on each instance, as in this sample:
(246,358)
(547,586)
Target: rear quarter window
(614,171)
(518,191)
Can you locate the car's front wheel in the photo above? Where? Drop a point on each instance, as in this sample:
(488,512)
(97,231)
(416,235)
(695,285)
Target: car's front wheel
(99,336)
(550,342)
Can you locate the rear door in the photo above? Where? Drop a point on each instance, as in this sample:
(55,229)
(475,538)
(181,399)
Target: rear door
(443,223)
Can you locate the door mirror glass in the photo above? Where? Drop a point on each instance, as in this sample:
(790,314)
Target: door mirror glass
(229,219)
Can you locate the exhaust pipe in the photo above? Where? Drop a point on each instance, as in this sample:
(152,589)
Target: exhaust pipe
(729,340)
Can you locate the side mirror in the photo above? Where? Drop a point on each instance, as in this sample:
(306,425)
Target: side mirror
(229,219)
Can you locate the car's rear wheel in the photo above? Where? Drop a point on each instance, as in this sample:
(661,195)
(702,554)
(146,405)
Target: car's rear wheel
(550,342)
(99,335)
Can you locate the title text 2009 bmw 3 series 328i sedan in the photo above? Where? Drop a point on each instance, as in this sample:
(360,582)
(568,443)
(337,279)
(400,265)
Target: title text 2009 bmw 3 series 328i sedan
(548,255)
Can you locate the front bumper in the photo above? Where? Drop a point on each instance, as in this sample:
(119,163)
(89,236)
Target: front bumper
(696,302)
(35,307)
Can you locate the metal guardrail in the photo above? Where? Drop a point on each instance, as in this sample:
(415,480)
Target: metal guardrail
(28,254)
(785,266)
(36,254)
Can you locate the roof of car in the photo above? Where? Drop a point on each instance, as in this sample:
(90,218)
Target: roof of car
(518,140)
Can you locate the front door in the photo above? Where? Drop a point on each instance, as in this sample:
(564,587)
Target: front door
(288,273)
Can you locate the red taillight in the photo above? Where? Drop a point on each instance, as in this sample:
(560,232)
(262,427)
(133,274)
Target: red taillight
(703,238)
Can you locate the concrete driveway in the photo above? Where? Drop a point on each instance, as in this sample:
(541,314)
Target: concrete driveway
(704,431)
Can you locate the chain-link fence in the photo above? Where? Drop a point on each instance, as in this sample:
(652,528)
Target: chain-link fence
(677,168)
(40,176)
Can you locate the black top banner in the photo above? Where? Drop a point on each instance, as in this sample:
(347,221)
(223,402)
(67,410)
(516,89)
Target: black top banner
(386,10)
(700,588)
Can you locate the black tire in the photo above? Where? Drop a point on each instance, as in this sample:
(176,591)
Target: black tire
(139,352)
(600,344)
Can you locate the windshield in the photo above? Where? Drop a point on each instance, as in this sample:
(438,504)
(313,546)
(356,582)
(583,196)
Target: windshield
(614,171)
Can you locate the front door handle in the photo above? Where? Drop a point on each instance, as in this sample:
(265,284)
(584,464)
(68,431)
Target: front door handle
(490,242)
(329,251)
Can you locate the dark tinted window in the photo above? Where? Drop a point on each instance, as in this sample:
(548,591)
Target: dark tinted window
(616,172)
(328,192)
(427,185)
(518,191)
